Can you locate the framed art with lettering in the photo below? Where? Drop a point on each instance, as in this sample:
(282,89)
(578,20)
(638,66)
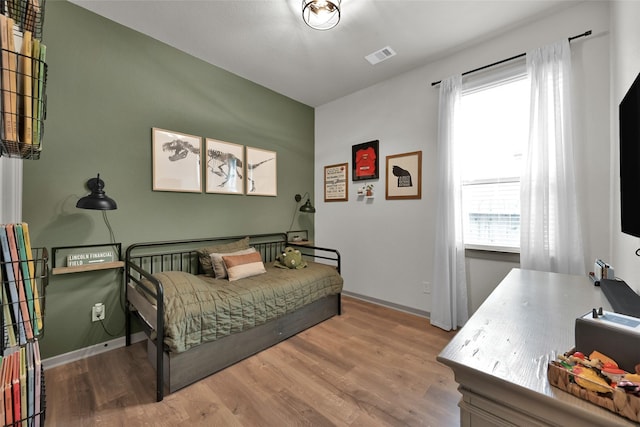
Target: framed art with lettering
(336,178)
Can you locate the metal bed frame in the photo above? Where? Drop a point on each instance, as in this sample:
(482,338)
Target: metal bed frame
(182,369)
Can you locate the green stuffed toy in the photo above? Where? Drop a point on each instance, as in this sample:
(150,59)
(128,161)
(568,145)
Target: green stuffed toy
(290,258)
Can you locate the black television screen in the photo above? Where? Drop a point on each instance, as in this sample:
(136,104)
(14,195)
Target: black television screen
(630,160)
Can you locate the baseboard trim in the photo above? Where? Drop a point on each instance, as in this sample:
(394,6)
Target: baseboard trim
(388,304)
(72,356)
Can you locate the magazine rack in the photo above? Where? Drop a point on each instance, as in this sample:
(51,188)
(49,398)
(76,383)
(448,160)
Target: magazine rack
(16,121)
(17,344)
(23,76)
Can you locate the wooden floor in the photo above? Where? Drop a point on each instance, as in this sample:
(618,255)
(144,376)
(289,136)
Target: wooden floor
(371,366)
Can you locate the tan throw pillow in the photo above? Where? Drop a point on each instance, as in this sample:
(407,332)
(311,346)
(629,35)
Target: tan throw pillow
(205,259)
(219,270)
(241,266)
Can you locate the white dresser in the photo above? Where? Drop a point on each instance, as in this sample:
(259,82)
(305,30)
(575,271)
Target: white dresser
(500,356)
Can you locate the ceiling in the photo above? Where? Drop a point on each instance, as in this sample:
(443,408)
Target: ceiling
(267,42)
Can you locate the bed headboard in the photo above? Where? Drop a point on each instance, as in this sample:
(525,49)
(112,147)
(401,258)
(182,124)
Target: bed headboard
(182,255)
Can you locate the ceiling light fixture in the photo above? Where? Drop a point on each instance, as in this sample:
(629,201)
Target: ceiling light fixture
(321,14)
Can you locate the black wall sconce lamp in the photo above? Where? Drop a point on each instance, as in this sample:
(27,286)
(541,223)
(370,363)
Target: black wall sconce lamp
(307,207)
(97,199)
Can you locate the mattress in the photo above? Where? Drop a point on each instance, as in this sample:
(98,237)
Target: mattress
(199,309)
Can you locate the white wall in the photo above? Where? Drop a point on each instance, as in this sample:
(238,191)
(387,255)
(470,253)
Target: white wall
(625,48)
(387,246)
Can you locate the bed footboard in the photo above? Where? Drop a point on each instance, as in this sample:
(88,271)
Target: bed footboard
(183,369)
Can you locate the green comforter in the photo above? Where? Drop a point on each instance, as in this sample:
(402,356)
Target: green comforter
(199,309)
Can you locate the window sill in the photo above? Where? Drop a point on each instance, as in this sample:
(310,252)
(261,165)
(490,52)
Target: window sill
(492,255)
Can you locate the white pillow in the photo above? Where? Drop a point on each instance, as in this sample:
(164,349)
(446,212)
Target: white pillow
(219,269)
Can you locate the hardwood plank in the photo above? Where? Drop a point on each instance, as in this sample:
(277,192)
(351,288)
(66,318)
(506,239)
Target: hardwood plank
(371,366)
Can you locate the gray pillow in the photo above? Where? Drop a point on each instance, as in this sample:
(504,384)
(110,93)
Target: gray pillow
(219,267)
(204,254)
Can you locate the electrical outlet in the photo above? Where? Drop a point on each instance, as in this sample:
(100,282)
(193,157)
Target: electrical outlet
(97,312)
(426,287)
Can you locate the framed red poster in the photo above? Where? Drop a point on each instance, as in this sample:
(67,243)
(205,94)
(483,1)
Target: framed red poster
(364,161)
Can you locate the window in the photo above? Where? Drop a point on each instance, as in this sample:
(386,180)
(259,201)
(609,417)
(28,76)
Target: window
(493,131)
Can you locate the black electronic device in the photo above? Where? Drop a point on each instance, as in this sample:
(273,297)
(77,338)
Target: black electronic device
(629,111)
(622,298)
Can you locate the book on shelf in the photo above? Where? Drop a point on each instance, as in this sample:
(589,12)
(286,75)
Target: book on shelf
(37,91)
(22,295)
(30,382)
(7,130)
(2,417)
(40,56)
(25,66)
(7,372)
(37,373)
(15,386)
(9,327)
(13,79)
(10,283)
(24,402)
(37,312)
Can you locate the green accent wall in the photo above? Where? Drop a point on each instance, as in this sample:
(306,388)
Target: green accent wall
(107,87)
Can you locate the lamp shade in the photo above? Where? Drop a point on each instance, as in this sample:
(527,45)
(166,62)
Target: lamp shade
(321,14)
(97,199)
(307,207)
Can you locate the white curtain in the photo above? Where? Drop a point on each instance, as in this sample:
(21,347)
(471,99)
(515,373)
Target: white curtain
(551,234)
(449,290)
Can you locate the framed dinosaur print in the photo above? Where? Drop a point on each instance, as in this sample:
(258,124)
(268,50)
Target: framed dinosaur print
(224,167)
(176,161)
(261,176)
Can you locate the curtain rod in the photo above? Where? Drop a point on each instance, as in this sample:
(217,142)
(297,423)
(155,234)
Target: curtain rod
(585,34)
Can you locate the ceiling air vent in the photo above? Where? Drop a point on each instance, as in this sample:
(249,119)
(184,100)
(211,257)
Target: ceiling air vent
(380,55)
